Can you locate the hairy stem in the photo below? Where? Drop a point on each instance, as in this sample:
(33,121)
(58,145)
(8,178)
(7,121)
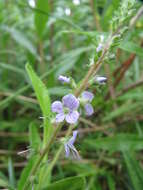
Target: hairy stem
(43,153)
(84,84)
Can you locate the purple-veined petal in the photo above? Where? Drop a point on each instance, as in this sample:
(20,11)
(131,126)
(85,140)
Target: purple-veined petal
(88,109)
(57,107)
(60,117)
(75,154)
(72,117)
(67,150)
(73,138)
(64,79)
(70,101)
(87,96)
(74,151)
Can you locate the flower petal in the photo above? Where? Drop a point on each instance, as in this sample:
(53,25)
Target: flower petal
(64,79)
(67,150)
(75,154)
(73,138)
(101,79)
(72,117)
(89,109)
(99,48)
(87,96)
(57,107)
(70,101)
(60,117)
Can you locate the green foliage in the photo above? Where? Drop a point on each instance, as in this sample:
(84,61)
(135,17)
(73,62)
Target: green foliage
(26,172)
(35,141)
(44,101)
(41,16)
(119,142)
(60,37)
(71,183)
(132,48)
(21,39)
(134,170)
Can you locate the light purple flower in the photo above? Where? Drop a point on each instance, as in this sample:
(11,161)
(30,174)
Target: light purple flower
(69,147)
(67,109)
(88,97)
(99,48)
(101,79)
(64,79)
(88,109)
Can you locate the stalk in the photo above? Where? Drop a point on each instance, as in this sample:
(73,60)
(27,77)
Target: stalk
(84,84)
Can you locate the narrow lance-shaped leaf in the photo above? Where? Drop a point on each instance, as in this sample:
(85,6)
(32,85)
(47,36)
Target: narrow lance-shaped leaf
(44,101)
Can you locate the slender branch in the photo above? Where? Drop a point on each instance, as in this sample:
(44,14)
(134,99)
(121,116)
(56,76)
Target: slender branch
(94,68)
(110,85)
(41,52)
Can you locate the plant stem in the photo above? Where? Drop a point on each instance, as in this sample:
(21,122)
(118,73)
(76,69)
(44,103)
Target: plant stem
(60,149)
(43,153)
(84,84)
(93,69)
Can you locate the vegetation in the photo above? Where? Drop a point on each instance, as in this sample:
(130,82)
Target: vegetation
(88,55)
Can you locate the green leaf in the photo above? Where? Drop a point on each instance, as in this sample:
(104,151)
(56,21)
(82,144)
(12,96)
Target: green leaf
(4,183)
(134,170)
(35,141)
(11,173)
(132,48)
(123,109)
(71,57)
(40,18)
(26,173)
(70,183)
(111,182)
(21,39)
(118,142)
(43,99)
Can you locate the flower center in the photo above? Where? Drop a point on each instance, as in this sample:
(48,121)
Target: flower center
(66,110)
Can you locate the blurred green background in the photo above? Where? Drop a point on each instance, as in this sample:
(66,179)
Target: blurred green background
(58,37)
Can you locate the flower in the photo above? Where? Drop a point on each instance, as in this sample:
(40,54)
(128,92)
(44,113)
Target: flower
(67,109)
(99,48)
(100,79)
(69,147)
(87,97)
(64,79)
